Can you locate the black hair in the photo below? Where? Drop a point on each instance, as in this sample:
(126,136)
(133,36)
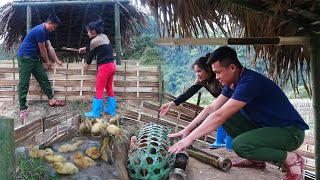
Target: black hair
(226,56)
(53,19)
(97,26)
(202,63)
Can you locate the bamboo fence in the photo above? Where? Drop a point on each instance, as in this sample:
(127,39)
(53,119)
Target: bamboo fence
(46,131)
(71,82)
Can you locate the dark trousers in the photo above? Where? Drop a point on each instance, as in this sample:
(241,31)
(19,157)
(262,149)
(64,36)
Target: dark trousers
(263,144)
(27,66)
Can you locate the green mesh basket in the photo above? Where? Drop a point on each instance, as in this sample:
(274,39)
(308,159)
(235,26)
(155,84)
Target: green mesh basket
(151,159)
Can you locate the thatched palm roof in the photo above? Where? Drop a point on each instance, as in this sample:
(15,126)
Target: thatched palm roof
(247,18)
(74,17)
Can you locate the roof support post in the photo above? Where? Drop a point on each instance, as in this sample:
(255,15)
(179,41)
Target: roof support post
(29,18)
(118,34)
(315,74)
(7,155)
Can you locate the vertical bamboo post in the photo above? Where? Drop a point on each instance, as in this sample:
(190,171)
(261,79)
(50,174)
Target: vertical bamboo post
(14,78)
(29,18)
(7,155)
(117,31)
(161,88)
(138,82)
(315,74)
(125,80)
(28,28)
(81,81)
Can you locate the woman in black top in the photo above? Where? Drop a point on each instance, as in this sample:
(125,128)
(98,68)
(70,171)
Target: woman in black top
(205,78)
(101,48)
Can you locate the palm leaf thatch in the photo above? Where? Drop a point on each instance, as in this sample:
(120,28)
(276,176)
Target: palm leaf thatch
(250,18)
(74,17)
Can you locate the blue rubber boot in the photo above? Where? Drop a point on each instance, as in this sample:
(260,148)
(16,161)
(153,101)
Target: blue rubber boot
(111,106)
(229,142)
(220,138)
(96,108)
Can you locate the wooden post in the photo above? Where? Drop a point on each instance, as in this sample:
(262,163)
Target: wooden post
(7,155)
(125,80)
(29,18)
(117,31)
(161,89)
(138,80)
(315,74)
(14,78)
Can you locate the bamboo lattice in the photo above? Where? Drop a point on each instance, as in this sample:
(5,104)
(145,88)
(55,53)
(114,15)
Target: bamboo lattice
(71,82)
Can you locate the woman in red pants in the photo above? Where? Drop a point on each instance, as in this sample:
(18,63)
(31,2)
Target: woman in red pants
(101,48)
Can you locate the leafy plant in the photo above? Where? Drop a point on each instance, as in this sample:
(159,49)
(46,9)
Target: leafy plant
(32,169)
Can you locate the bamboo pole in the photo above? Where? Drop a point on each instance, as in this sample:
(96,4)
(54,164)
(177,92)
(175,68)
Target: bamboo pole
(7,155)
(64,3)
(234,41)
(29,18)
(315,74)
(117,31)
(223,164)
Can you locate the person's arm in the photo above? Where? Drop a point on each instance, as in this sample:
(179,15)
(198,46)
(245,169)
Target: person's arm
(180,99)
(52,52)
(188,94)
(201,116)
(213,107)
(211,123)
(44,54)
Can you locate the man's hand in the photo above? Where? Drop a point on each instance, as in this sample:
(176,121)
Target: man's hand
(165,108)
(49,64)
(182,134)
(86,66)
(181,145)
(59,62)
(82,50)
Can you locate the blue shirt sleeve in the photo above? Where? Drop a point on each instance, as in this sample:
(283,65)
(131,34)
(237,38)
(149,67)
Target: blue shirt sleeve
(41,36)
(247,89)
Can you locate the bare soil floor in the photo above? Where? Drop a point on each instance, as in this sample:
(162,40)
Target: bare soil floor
(195,169)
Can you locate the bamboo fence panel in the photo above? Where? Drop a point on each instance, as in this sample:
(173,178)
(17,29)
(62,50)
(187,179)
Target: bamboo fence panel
(70,82)
(54,128)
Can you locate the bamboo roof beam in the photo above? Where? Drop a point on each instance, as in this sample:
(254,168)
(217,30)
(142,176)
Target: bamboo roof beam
(55,32)
(70,23)
(38,14)
(83,24)
(311,30)
(233,41)
(297,10)
(64,3)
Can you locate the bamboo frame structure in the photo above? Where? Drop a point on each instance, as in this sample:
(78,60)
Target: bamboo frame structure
(70,82)
(234,41)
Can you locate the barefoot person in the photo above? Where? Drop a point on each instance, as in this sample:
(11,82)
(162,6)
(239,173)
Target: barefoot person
(205,78)
(34,44)
(268,129)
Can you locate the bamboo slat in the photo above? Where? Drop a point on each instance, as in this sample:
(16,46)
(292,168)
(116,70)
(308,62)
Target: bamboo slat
(70,82)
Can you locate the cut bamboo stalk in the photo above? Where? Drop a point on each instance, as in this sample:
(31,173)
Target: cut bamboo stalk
(217,162)
(234,41)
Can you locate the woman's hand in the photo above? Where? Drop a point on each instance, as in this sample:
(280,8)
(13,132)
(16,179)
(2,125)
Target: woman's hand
(86,66)
(181,145)
(165,108)
(59,62)
(82,50)
(181,134)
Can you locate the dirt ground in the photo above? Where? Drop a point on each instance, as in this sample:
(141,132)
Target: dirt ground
(195,169)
